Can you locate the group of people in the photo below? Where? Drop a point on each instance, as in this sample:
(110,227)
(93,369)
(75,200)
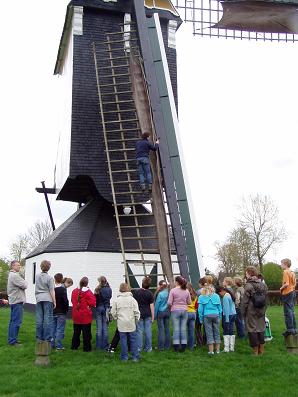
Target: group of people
(236,302)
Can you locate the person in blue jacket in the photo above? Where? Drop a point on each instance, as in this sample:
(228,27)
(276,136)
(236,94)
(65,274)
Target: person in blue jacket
(143,147)
(162,314)
(228,318)
(210,311)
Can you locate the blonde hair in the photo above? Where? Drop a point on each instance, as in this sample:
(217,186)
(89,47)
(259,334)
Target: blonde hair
(286,262)
(208,280)
(45,266)
(207,290)
(228,281)
(124,287)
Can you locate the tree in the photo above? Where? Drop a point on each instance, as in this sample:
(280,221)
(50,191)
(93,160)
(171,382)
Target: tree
(20,248)
(4,269)
(259,218)
(39,232)
(245,247)
(228,257)
(272,273)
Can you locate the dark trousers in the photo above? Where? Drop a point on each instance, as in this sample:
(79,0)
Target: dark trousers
(289,311)
(116,340)
(228,327)
(200,337)
(87,336)
(239,321)
(256,338)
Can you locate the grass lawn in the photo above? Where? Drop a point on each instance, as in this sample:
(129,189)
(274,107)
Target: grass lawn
(159,374)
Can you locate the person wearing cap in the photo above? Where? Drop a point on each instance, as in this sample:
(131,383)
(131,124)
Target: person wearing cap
(16,287)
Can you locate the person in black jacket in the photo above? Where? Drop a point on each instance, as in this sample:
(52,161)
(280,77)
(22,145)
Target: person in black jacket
(143,147)
(103,294)
(59,312)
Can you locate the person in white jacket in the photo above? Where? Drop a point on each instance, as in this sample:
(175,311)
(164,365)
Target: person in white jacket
(125,311)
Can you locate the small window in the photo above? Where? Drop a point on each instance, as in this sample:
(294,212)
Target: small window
(33,272)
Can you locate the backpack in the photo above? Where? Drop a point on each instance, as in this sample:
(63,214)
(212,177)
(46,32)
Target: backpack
(258,299)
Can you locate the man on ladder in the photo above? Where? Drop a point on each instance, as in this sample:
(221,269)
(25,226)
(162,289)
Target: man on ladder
(143,147)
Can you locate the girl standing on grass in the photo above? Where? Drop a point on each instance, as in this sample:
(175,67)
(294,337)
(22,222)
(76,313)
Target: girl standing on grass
(239,293)
(162,315)
(103,294)
(179,299)
(210,311)
(228,319)
(82,300)
(126,312)
(191,316)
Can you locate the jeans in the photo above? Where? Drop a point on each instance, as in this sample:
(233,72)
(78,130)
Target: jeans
(239,321)
(102,341)
(144,170)
(16,318)
(144,327)
(132,337)
(163,334)
(191,319)
(289,311)
(59,321)
(179,320)
(228,327)
(44,321)
(87,337)
(211,325)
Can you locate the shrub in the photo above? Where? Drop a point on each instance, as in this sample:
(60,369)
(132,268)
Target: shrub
(272,273)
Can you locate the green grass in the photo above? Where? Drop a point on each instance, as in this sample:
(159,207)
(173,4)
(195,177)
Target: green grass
(159,374)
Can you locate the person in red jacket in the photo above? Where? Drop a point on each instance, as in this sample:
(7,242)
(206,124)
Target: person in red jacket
(82,300)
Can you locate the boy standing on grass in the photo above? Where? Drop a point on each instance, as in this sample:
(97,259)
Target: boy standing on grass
(288,297)
(60,312)
(16,286)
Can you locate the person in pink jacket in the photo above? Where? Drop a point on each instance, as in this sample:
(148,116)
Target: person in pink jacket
(82,300)
(179,299)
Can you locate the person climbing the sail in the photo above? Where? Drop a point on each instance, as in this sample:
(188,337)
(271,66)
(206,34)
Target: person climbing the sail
(143,147)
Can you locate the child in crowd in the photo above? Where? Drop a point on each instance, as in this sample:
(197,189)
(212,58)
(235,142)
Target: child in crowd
(239,293)
(210,311)
(45,303)
(59,313)
(228,319)
(162,315)
(228,284)
(191,316)
(103,294)
(145,300)
(67,282)
(82,301)
(126,312)
(179,299)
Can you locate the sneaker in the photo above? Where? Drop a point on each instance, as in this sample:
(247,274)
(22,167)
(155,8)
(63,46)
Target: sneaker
(135,360)
(217,352)
(111,350)
(210,354)
(60,348)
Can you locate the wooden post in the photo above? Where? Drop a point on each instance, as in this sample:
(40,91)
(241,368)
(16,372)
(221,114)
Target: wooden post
(291,342)
(42,352)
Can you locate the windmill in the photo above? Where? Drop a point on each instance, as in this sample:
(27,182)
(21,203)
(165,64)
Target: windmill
(117,62)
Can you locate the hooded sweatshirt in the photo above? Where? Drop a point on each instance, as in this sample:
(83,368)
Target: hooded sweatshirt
(82,300)
(209,305)
(125,311)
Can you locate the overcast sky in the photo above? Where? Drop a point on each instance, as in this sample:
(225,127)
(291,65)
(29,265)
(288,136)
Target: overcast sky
(238,120)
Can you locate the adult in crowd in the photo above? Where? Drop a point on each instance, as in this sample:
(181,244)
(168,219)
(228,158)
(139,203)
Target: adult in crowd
(210,311)
(254,308)
(45,303)
(162,315)
(16,287)
(145,300)
(179,299)
(82,300)
(126,312)
(228,318)
(239,321)
(103,294)
(191,316)
(288,297)
(59,313)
